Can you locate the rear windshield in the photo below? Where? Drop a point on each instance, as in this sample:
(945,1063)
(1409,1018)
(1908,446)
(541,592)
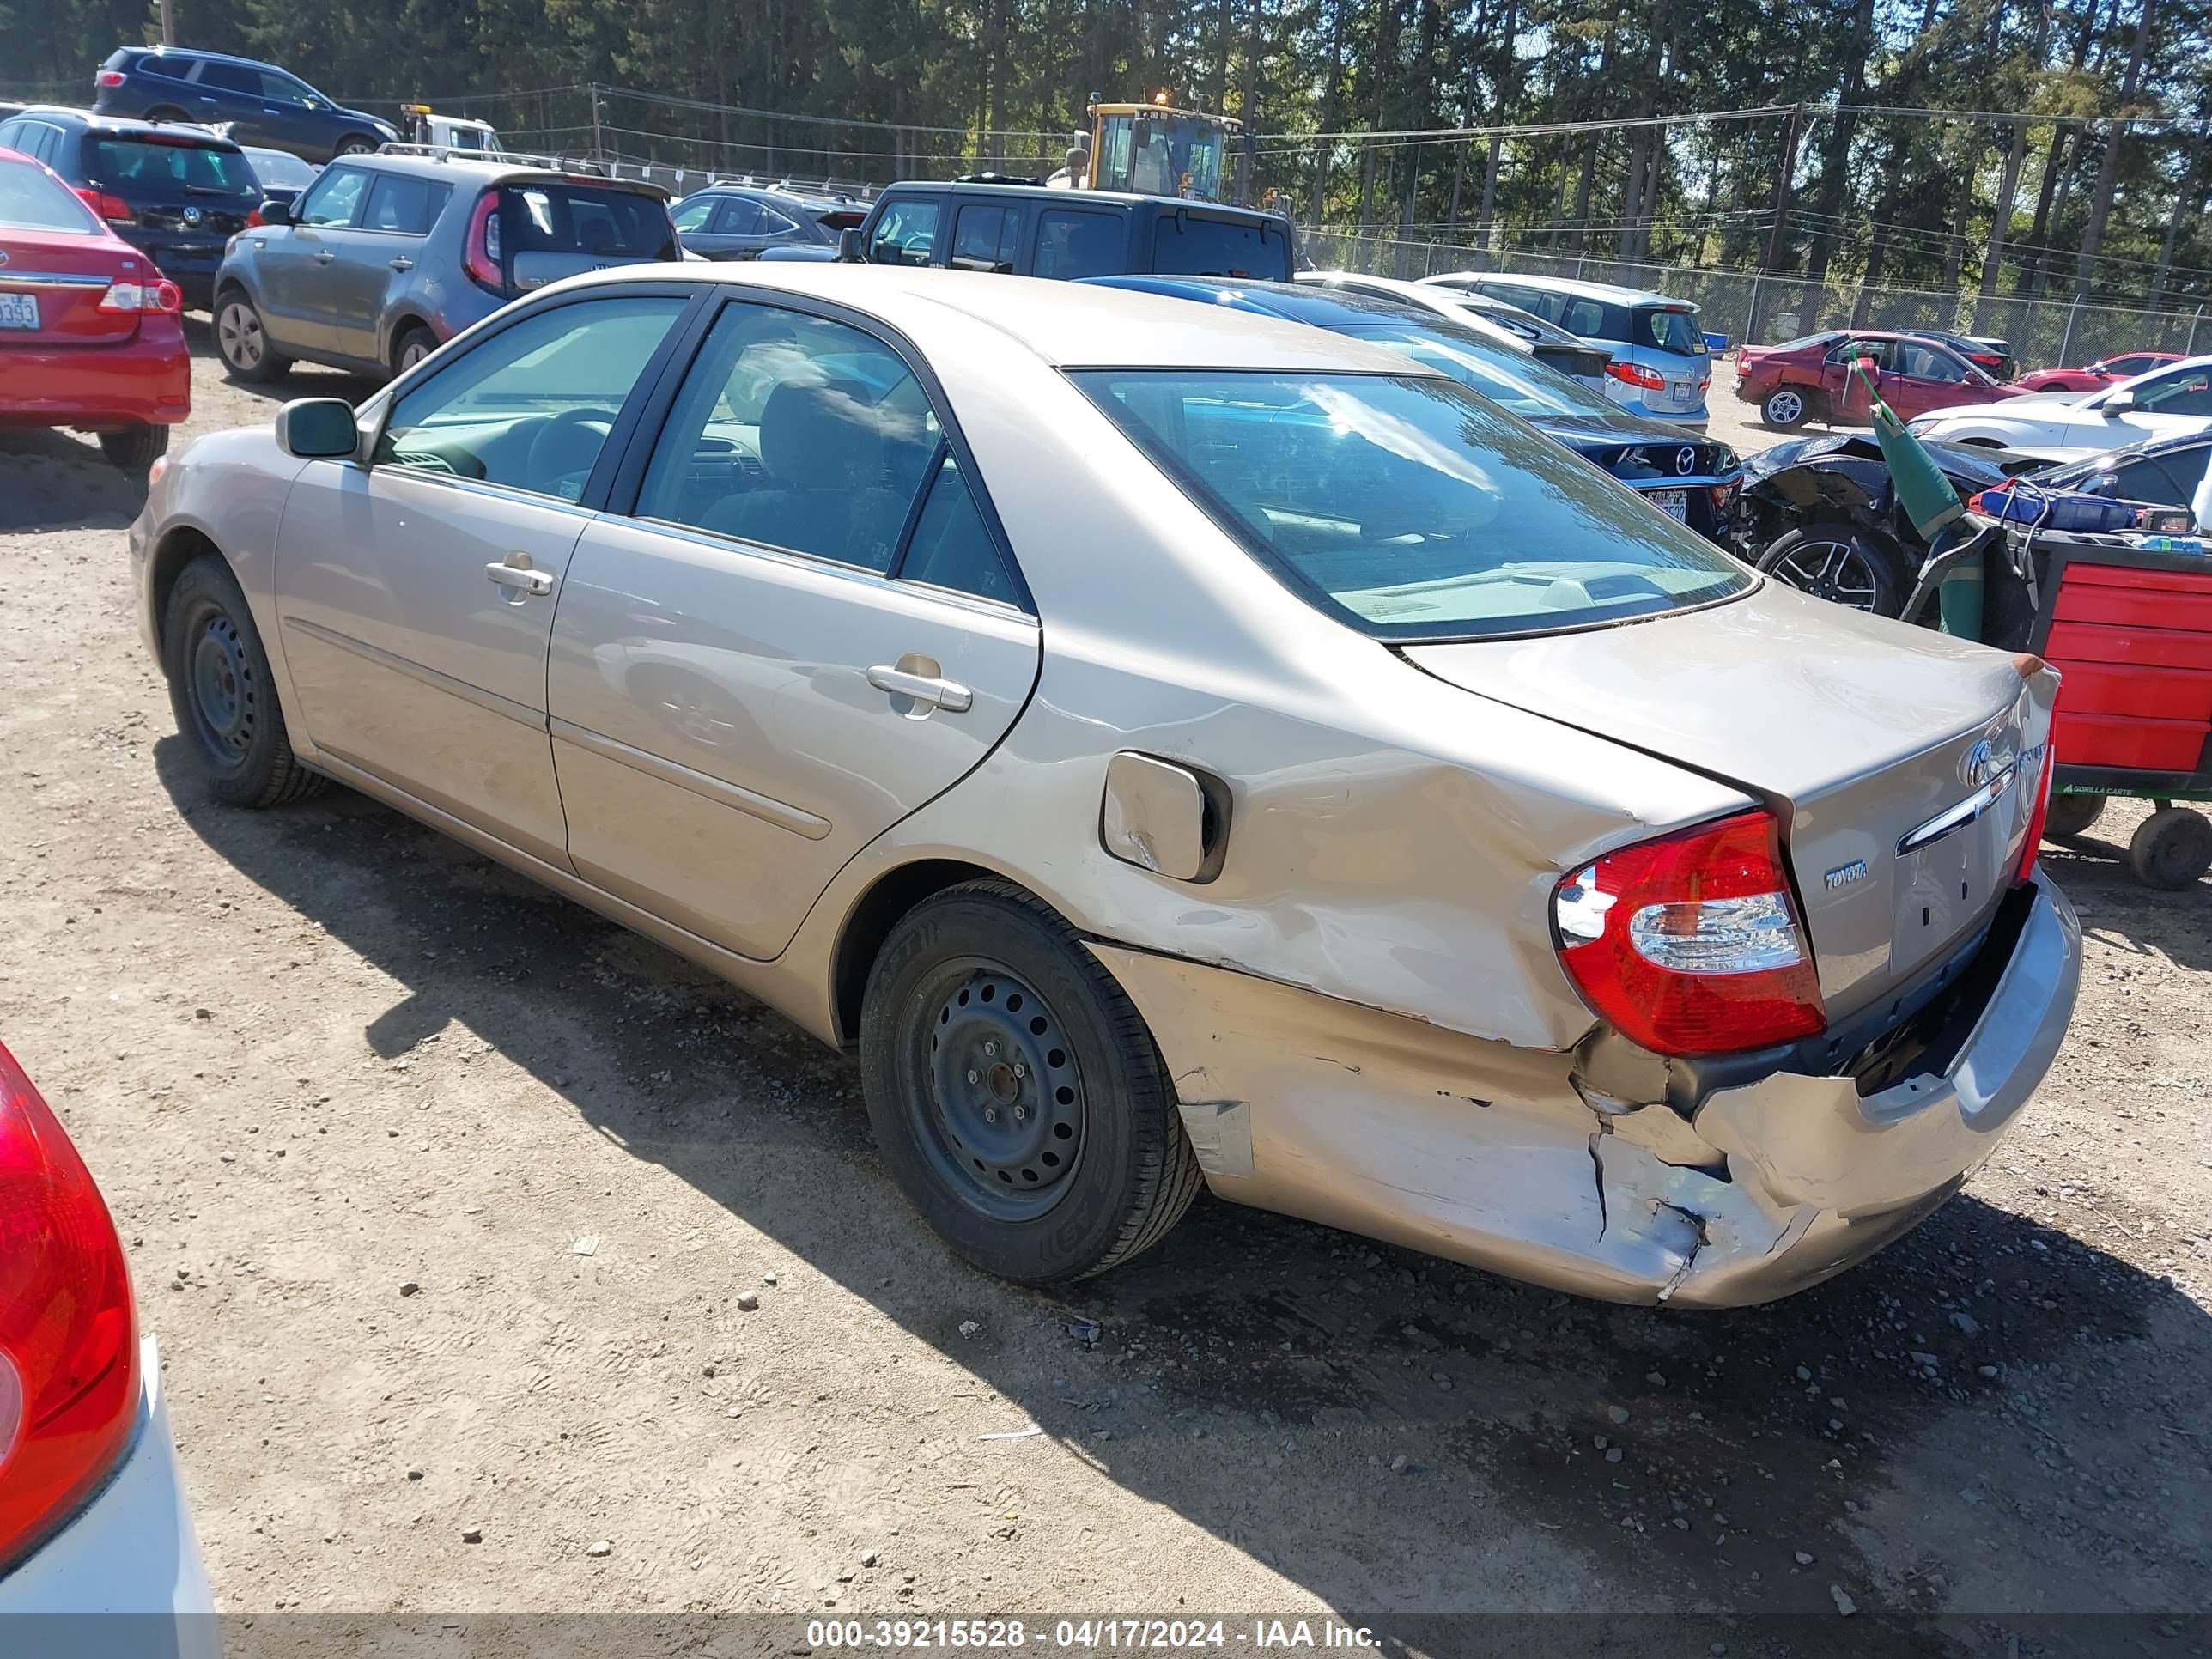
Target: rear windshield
(1804,342)
(128,165)
(564,218)
(1185,244)
(277,169)
(1670,331)
(1408,507)
(31,200)
(1509,378)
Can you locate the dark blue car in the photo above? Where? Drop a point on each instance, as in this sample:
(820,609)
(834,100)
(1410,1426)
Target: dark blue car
(259,103)
(1686,475)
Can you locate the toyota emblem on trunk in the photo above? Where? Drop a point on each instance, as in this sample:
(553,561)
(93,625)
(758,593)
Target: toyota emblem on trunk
(1977,763)
(1686,460)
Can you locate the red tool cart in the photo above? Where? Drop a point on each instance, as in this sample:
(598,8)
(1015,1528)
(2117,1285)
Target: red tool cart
(2129,628)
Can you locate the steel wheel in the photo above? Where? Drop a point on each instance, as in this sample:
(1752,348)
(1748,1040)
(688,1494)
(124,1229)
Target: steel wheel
(1004,1115)
(1830,568)
(238,336)
(225,695)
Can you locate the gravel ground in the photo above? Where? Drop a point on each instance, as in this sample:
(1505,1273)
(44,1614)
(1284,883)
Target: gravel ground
(446,1199)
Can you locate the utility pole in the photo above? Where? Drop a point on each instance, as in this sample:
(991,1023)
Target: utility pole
(169,25)
(1791,131)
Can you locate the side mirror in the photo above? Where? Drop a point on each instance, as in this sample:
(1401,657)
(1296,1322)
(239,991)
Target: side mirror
(317,430)
(2120,403)
(275,212)
(848,246)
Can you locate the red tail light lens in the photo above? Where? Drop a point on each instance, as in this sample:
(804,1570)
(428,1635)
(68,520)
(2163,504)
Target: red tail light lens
(108,78)
(68,1353)
(481,254)
(1650,380)
(160,296)
(253,219)
(111,208)
(2037,816)
(1691,944)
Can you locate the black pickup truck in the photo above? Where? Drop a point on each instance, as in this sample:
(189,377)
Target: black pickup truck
(1029,230)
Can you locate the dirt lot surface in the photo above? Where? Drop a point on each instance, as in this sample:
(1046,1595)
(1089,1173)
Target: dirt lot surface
(319,1056)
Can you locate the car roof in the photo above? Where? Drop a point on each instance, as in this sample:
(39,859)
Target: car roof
(805,198)
(125,126)
(448,165)
(201,52)
(1316,306)
(1612,291)
(1068,324)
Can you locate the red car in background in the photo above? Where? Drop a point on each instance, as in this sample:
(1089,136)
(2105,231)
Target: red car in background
(2105,371)
(91,334)
(1811,379)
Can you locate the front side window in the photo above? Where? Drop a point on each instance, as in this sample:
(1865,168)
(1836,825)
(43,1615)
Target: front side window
(1670,331)
(31,200)
(1074,245)
(230,77)
(531,407)
(906,234)
(2188,392)
(695,213)
(739,217)
(281,88)
(1408,508)
(1927,362)
(2124,367)
(406,206)
(794,432)
(125,165)
(334,199)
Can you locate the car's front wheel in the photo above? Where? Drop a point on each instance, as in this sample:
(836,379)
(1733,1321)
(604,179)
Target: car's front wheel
(243,341)
(356,144)
(1786,408)
(414,344)
(1836,562)
(135,448)
(1015,1091)
(223,694)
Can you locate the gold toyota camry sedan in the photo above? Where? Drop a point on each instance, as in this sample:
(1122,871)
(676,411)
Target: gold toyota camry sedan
(1171,748)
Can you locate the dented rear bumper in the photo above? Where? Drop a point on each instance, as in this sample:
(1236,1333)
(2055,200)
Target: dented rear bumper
(1489,1154)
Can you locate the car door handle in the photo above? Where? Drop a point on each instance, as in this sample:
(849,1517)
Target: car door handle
(325,256)
(948,695)
(403,265)
(524,580)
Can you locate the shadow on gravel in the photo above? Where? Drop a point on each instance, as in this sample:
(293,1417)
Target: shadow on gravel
(1368,1422)
(303,380)
(53,479)
(2120,911)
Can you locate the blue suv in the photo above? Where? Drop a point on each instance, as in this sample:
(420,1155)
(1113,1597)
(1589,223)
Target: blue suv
(259,103)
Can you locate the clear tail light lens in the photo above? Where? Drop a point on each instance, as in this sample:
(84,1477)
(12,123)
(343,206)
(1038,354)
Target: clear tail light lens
(161,296)
(1691,944)
(69,1353)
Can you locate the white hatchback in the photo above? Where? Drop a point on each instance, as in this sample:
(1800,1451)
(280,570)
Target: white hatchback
(2174,401)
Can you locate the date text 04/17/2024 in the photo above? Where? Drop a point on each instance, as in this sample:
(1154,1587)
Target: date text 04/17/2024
(1110,1634)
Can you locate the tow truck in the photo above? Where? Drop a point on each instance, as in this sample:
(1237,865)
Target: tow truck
(421,125)
(1157,148)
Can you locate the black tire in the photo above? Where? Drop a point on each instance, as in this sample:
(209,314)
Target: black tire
(413,343)
(223,694)
(2172,848)
(1786,408)
(1099,1170)
(242,340)
(2072,815)
(135,448)
(1838,563)
(356,144)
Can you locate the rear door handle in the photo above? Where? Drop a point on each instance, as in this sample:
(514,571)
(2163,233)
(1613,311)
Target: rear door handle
(948,695)
(523,580)
(325,256)
(403,265)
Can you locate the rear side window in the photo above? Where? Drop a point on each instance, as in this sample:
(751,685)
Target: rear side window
(1073,245)
(29,200)
(1594,319)
(409,206)
(169,69)
(985,238)
(1670,331)
(1189,245)
(125,165)
(563,218)
(950,546)
(231,77)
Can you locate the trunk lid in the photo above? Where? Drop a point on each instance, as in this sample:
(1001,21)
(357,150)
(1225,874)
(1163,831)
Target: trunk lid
(63,276)
(1868,738)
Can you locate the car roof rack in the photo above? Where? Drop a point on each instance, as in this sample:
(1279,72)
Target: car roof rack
(578,164)
(833,189)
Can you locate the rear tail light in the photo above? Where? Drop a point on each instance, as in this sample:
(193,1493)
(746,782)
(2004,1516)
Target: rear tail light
(1636,375)
(160,296)
(2037,815)
(107,206)
(1691,944)
(480,255)
(253,219)
(108,78)
(69,1356)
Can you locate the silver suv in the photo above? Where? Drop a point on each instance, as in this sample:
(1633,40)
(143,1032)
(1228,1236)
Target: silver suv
(386,256)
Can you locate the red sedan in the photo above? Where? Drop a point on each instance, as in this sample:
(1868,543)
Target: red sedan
(91,334)
(1811,379)
(2105,371)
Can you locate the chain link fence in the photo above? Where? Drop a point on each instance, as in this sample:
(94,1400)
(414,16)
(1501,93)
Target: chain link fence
(1751,309)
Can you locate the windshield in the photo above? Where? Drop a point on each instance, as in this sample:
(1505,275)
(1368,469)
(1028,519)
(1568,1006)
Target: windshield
(1670,331)
(129,166)
(1160,153)
(1408,507)
(1506,377)
(29,200)
(279,169)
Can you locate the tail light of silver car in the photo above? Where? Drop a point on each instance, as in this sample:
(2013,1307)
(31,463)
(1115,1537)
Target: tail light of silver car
(68,1353)
(1692,943)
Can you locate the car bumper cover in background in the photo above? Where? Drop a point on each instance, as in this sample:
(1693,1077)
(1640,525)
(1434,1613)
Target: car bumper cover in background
(123,1580)
(143,382)
(1491,1155)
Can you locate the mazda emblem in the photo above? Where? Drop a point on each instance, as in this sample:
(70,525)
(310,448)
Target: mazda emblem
(1686,460)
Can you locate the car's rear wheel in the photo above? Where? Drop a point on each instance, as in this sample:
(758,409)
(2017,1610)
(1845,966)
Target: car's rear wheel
(243,341)
(1786,408)
(136,448)
(414,344)
(2072,815)
(223,694)
(1015,1091)
(1836,562)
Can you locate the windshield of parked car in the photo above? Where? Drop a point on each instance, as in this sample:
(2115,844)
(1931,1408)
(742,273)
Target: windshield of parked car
(1670,331)
(1508,377)
(129,165)
(1408,506)
(31,200)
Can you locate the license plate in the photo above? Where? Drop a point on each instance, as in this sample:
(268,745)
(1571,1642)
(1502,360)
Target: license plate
(19,311)
(1674,503)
